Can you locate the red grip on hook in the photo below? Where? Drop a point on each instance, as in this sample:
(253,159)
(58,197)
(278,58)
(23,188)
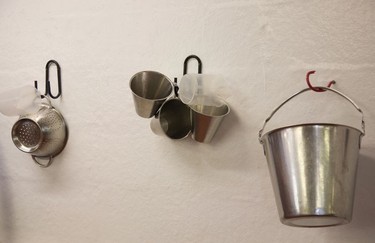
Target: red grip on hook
(313,88)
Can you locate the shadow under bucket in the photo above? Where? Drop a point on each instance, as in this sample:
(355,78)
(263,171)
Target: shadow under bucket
(206,119)
(313,170)
(150,89)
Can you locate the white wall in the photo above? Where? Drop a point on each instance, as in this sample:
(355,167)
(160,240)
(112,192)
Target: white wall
(118,182)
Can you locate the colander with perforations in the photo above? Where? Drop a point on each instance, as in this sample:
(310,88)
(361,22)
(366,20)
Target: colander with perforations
(42,134)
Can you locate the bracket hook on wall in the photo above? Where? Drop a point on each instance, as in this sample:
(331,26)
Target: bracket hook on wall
(187,59)
(48,83)
(196,58)
(314,88)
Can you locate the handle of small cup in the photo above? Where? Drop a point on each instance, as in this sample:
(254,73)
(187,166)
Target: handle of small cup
(49,162)
(302,91)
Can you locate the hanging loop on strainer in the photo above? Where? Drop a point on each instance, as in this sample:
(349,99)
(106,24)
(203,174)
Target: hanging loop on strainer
(45,165)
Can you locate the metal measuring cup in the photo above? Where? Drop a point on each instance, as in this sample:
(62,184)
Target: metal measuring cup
(150,89)
(173,119)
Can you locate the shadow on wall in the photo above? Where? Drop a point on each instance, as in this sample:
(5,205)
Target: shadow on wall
(364,206)
(6,206)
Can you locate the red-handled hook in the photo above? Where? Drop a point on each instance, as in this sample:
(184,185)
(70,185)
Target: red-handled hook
(313,88)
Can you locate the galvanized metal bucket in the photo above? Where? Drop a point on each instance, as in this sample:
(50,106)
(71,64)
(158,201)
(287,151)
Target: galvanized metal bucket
(313,169)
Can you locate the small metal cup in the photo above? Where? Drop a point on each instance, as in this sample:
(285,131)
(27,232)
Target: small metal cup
(150,89)
(206,118)
(173,120)
(42,134)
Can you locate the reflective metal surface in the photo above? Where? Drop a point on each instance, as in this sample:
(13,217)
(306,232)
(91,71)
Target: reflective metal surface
(42,134)
(313,172)
(313,169)
(206,120)
(150,89)
(173,119)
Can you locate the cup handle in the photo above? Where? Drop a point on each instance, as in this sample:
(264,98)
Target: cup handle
(49,162)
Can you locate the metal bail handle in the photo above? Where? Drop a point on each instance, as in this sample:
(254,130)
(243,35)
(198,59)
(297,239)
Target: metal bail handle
(302,91)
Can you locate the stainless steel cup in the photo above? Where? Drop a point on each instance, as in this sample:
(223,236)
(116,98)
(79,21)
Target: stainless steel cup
(206,119)
(150,89)
(173,119)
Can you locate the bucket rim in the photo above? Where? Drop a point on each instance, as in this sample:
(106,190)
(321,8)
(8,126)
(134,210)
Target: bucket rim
(290,221)
(310,124)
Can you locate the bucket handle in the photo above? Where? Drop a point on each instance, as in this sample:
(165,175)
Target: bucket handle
(302,91)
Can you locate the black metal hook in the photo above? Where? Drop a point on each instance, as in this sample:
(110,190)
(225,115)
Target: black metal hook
(198,60)
(48,83)
(176,88)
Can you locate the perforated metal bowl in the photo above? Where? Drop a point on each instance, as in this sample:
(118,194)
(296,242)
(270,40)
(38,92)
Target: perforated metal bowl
(27,135)
(42,134)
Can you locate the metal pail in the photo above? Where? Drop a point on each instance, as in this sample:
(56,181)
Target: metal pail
(313,170)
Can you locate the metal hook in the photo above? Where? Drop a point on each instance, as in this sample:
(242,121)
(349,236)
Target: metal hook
(313,88)
(48,83)
(198,60)
(176,88)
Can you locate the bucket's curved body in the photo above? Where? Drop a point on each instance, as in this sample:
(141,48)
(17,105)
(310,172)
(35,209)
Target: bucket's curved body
(313,171)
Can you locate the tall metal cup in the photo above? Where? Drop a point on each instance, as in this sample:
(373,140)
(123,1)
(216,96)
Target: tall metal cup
(207,117)
(173,120)
(150,89)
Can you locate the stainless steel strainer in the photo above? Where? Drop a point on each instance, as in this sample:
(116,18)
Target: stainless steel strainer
(42,134)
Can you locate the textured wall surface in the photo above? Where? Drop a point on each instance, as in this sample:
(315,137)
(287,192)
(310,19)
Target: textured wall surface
(118,182)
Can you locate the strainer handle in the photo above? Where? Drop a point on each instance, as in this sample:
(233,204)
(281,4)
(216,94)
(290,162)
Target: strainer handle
(49,162)
(302,91)
(48,100)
